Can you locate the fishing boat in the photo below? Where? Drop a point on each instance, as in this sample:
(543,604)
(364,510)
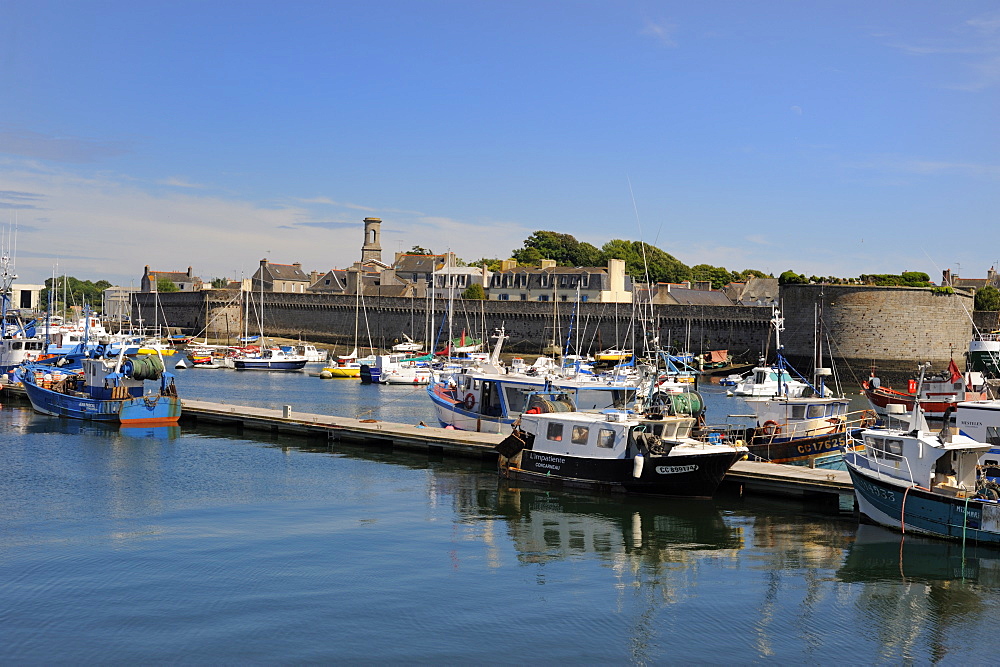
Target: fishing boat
(615,450)
(927,482)
(984,355)
(270,359)
(937,393)
(487,397)
(772,379)
(980,420)
(104,389)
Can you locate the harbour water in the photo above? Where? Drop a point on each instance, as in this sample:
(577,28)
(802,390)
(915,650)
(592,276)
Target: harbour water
(200,547)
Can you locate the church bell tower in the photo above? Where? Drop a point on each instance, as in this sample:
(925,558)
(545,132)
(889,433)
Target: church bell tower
(372,248)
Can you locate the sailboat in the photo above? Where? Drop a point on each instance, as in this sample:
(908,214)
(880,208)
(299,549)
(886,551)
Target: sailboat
(272,358)
(349,366)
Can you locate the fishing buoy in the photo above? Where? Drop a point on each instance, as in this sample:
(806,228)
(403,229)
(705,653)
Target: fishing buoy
(326,375)
(181,364)
(450,427)
(637,465)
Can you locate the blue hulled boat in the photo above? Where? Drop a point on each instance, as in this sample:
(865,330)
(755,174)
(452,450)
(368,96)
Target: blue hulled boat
(927,482)
(103,389)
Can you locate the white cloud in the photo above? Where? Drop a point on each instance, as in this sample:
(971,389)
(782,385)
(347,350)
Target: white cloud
(109,227)
(178,182)
(662,32)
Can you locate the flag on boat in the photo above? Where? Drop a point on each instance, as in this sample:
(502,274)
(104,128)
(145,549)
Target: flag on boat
(956,374)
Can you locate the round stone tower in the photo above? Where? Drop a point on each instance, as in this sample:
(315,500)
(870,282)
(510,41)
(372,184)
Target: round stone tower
(893,328)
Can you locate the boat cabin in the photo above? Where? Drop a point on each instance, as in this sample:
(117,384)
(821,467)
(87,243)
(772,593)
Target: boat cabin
(501,397)
(936,461)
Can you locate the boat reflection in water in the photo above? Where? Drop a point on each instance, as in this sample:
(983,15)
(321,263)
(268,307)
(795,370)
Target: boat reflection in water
(153,432)
(552,526)
(25,420)
(922,591)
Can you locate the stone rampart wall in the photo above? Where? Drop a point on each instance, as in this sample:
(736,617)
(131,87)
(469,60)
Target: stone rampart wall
(893,328)
(531,325)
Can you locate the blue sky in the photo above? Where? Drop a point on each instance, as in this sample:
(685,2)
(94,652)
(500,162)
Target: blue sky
(831,138)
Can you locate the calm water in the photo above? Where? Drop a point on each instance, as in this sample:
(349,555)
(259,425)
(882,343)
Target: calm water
(200,547)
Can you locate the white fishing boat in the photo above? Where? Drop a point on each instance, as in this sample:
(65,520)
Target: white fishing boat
(916,480)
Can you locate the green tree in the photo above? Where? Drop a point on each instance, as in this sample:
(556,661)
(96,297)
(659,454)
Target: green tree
(491,264)
(166,285)
(747,274)
(420,250)
(219,283)
(563,248)
(988,298)
(474,291)
(77,292)
(642,260)
(717,275)
(791,278)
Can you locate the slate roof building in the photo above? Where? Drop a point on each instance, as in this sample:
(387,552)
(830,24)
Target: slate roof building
(280,277)
(950,279)
(754,292)
(186,281)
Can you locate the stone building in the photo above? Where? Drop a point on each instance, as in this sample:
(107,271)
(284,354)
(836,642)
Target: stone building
(561,283)
(950,279)
(186,281)
(280,277)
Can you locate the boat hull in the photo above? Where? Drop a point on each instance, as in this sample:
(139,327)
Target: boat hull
(797,451)
(689,476)
(134,410)
(452,414)
(913,509)
(269,364)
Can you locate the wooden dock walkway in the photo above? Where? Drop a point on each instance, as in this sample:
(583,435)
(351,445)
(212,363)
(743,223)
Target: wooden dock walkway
(752,477)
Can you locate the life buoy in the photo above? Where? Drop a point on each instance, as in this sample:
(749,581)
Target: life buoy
(469,402)
(771,427)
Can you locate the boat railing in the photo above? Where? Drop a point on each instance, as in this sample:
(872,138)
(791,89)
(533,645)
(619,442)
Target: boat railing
(879,463)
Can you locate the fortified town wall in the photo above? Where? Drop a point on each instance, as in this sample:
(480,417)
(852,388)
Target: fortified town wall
(893,328)
(330,319)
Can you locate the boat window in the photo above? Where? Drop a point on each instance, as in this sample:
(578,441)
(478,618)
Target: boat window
(993,435)
(798,412)
(475,384)
(606,438)
(669,430)
(816,411)
(516,398)
(580,435)
(16,345)
(894,446)
(603,399)
(554,431)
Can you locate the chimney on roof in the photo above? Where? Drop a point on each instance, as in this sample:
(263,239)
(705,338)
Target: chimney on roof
(548,264)
(263,262)
(298,266)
